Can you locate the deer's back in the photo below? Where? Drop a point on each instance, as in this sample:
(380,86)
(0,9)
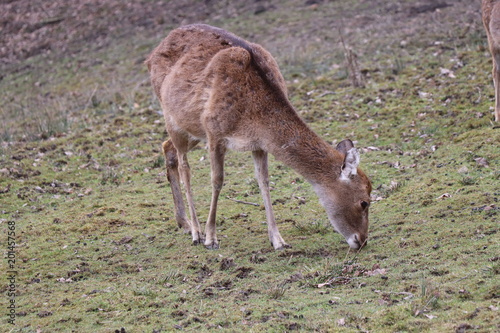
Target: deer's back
(195,45)
(197,66)
(491,20)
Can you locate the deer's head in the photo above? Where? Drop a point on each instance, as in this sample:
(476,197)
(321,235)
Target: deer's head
(347,198)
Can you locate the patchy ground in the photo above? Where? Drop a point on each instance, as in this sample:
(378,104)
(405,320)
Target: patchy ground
(31,28)
(84,197)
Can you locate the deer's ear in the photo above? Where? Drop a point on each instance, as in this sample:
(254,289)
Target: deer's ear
(344,146)
(351,159)
(350,165)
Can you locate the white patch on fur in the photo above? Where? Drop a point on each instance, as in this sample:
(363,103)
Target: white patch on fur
(353,241)
(351,163)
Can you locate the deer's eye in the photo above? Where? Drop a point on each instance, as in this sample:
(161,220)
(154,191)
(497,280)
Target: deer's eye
(364,204)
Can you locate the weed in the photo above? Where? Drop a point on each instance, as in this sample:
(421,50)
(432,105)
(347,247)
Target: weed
(387,190)
(158,162)
(316,226)
(427,300)
(398,65)
(110,176)
(278,291)
(6,134)
(328,273)
(468,180)
(254,186)
(351,58)
(172,276)
(144,291)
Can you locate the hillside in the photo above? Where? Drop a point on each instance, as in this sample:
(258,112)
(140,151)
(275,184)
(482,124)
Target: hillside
(84,195)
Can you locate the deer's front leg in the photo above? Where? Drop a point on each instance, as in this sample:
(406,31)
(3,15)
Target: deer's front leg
(217,153)
(262,175)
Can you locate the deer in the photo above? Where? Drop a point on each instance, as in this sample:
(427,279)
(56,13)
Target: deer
(491,20)
(218,88)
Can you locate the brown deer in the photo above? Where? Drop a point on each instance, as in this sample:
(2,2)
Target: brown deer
(491,21)
(216,87)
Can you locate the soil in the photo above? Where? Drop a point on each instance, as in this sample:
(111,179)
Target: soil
(31,28)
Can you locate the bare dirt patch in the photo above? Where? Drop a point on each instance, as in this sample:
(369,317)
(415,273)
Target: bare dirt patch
(31,28)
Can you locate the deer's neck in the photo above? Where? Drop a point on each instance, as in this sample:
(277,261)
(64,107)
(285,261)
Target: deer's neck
(297,146)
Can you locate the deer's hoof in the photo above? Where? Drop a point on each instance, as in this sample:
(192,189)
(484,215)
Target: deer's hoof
(282,247)
(198,240)
(212,245)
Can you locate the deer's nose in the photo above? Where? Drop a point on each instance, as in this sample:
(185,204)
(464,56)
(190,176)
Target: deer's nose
(357,241)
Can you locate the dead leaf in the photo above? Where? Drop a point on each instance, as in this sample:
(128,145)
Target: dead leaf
(482,162)
(348,269)
(63,280)
(447,72)
(376,271)
(341,322)
(382,302)
(490,207)
(39,189)
(5,189)
(124,240)
(423,94)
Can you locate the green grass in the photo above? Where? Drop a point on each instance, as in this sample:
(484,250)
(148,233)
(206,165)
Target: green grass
(97,244)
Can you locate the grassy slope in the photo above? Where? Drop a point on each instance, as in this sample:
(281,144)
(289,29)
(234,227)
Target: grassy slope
(97,246)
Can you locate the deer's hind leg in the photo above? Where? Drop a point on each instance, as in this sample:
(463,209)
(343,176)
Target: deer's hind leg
(217,153)
(178,171)
(496,82)
(172,164)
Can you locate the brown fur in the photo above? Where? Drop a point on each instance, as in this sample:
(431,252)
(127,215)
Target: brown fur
(216,87)
(491,21)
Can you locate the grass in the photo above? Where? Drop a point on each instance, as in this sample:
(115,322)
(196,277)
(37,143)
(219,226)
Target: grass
(98,250)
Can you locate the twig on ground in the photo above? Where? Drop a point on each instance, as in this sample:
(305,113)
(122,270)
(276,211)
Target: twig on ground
(243,202)
(351,58)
